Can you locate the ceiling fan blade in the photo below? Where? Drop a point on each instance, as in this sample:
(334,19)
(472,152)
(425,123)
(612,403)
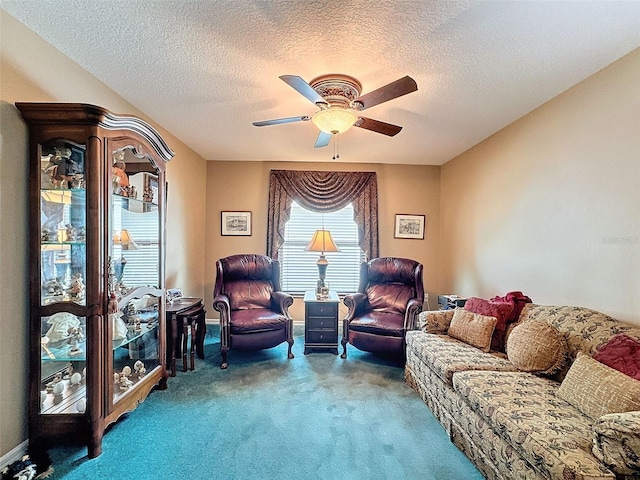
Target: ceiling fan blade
(278,121)
(378,126)
(393,90)
(303,88)
(323,139)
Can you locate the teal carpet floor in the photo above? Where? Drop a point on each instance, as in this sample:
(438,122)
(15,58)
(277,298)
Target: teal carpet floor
(313,417)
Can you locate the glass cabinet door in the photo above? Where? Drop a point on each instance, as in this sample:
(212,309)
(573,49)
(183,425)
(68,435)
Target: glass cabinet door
(63,223)
(63,269)
(135,271)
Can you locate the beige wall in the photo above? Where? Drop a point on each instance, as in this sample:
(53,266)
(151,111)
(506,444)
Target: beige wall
(239,186)
(551,204)
(32,70)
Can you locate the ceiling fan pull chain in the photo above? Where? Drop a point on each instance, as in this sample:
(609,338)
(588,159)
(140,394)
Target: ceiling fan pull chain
(336,146)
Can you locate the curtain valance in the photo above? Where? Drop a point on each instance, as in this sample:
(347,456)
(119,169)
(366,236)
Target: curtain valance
(323,192)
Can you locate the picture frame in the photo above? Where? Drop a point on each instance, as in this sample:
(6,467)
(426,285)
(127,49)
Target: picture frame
(409,226)
(235,223)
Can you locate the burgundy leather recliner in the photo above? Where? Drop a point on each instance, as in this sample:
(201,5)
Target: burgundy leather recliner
(389,299)
(253,311)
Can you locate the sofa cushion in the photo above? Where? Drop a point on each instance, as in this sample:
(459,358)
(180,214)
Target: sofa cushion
(622,353)
(537,347)
(596,390)
(524,410)
(499,310)
(445,355)
(472,328)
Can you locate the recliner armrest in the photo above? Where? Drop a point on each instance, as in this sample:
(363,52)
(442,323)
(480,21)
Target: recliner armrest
(616,442)
(414,307)
(356,303)
(221,304)
(280,302)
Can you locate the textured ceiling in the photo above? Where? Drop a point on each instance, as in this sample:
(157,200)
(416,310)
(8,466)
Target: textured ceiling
(205,70)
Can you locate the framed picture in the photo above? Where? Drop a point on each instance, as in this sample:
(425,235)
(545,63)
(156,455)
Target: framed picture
(409,226)
(236,223)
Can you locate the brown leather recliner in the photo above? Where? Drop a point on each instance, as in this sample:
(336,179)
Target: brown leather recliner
(253,311)
(389,299)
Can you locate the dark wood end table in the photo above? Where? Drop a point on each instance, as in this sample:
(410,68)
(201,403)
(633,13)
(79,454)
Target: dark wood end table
(321,322)
(188,313)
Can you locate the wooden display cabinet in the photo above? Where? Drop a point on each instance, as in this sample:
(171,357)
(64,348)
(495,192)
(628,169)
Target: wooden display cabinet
(97,342)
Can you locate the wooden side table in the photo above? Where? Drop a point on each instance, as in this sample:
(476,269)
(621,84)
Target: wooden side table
(185,314)
(321,322)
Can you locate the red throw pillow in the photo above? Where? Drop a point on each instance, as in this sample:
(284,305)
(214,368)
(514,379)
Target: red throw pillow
(499,310)
(621,353)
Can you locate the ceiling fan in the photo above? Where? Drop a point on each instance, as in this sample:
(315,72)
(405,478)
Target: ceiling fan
(338,97)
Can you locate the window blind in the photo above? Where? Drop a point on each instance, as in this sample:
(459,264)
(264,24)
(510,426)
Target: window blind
(298,268)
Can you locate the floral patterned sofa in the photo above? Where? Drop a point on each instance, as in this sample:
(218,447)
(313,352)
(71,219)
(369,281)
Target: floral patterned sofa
(564,423)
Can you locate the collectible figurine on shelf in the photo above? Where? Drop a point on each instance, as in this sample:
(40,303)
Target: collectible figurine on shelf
(139,368)
(63,170)
(76,291)
(71,232)
(68,371)
(75,338)
(125,383)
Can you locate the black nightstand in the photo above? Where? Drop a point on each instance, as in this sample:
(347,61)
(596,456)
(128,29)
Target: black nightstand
(321,322)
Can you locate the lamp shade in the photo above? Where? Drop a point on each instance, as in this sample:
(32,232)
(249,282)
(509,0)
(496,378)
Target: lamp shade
(123,238)
(322,242)
(334,119)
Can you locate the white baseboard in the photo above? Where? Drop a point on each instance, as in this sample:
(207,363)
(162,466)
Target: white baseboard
(13,455)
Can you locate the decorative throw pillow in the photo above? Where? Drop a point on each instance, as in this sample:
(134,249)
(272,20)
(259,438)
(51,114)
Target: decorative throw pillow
(499,310)
(622,353)
(472,328)
(596,390)
(435,321)
(537,347)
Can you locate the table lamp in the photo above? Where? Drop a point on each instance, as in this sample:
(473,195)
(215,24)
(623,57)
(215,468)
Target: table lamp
(322,242)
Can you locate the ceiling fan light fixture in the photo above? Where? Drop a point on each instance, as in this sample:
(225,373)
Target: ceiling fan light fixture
(334,120)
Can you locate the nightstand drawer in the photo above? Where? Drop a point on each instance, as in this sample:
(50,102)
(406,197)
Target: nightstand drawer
(322,336)
(320,323)
(322,309)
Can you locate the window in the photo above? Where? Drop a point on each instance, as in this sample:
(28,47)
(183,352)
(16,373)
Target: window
(299,269)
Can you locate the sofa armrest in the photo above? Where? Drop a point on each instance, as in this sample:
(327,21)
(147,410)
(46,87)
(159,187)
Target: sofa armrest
(616,442)
(435,321)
